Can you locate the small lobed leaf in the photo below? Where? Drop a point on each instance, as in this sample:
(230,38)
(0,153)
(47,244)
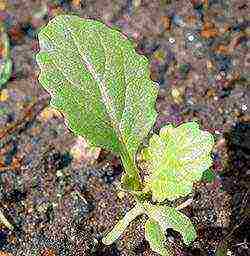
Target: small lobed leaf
(169,217)
(176,158)
(99,82)
(156,238)
(120,227)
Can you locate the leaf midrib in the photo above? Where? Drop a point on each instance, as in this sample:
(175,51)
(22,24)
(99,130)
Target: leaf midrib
(90,68)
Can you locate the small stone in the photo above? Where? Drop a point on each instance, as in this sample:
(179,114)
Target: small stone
(49,113)
(218,77)
(82,151)
(121,194)
(190,38)
(175,93)
(171,40)
(209,64)
(4,95)
(210,92)
(223,74)
(137,3)
(178,21)
(48,252)
(59,173)
(3,5)
(2,253)
(166,22)
(222,49)
(209,30)
(217,132)
(244,107)
(76,3)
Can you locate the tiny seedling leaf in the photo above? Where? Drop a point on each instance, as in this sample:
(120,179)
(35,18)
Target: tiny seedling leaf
(156,238)
(5,57)
(100,84)
(122,224)
(176,158)
(169,217)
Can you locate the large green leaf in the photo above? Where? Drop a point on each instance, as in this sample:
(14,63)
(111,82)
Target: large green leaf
(99,82)
(156,238)
(176,158)
(169,217)
(120,227)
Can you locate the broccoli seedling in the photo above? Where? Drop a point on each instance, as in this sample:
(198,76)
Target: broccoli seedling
(103,88)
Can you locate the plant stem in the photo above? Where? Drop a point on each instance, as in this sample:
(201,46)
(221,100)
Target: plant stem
(119,228)
(185,204)
(131,180)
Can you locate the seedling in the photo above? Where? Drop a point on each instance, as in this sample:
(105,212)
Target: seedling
(103,88)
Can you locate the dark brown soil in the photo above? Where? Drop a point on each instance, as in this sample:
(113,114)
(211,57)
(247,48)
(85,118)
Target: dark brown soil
(59,206)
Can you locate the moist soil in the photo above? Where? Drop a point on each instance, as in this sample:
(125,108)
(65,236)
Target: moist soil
(62,201)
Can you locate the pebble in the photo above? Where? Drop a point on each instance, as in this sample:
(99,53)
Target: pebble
(176,94)
(178,21)
(3,5)
(49,113)
(4,95)
(2,253)
(166,22)
(171,40)
(190,38)
(209,30)
(76,3)
(82,151)
(244,107)
(48,252)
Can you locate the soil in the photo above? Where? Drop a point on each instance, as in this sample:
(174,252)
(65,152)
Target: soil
(61,202)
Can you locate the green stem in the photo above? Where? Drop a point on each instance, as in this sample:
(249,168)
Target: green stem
(120,227)
(131,180)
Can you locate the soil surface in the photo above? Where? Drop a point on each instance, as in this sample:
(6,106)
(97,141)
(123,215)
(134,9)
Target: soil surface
(62,198)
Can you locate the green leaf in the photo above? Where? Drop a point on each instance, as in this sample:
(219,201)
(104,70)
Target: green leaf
(5,58)
(5,71)
(176,158)
(169,217)
(99,82)
(156,238)
(208,176)
(120,227)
